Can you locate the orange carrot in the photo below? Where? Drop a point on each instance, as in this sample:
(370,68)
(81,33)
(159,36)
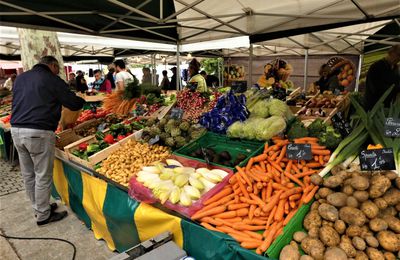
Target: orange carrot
(326,158)
(268,240)
(291,192)
(290,185)
(251,245)
(294,179)
(273,201)
(281,155)
(260,158)
(316,158)
(289,217)
(296,168)
(248,201)
(254,221)
(227,214)
(274,156)
(278,232)
(262,165)
(259,201)
(280,210)
(292,198)
(251,211)
(307,180)
(233,220)
(269,191)
(232,180)
(313,165)
(265,147)
(287,207)
(279,186)
(249,164)
(227,229)
(253,234)
(307,139)
(241,226)
(242,188)
(275,165)
(310,195)
(321,160)
(305,173)
(242,212)
(238,206)
(242,237)
(220,202)
(292,204)
(270,218)
(257,212)
(255,189)
(264,194)
(218,196)
(212,221)
(208,226)
(245,177)
(213,211)
(320,152)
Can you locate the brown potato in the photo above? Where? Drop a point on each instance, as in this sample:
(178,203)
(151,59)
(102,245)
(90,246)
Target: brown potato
(361,256)
(337,199)
(333,181)
(316,179)
(369,209)
(359,243)
(372,241)
(335,170)
(381,203)
(389,211)
(397,207)
(340,226)
(328,212)
(289,253)
(391,175)
(313,232)
(352,202)
(379,184)
(347,246)
(313,247)
(353,231)
(361,196)
(352,216)
(389,256)
(329,236)
(315,205)
(378,224)
(359,183)
(312,219)
(374,254)
(324,192)
(327,223)
(294,244)
(299,236)
(335,253)
(392,196)
(397,182)
(348,190)
(393,223)
(344,175)
(322,201)
(389,241)
(306,257)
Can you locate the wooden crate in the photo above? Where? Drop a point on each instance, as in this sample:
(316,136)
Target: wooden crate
(96,98)
(327,119)
(63,139)
(101,155)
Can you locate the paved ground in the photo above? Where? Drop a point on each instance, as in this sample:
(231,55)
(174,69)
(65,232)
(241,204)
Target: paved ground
(10,178)
(16,219)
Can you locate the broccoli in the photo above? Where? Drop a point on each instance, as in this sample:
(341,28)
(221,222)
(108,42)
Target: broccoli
(316,128)
(297,130)
(330,138)
(170,142)
(184,126)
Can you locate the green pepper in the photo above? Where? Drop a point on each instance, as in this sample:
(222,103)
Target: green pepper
(93,148)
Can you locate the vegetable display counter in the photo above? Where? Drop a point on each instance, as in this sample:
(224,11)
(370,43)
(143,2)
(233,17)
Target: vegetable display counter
(123,222)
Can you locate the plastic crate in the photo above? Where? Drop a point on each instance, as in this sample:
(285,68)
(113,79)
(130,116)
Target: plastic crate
(221,143)
(294,225)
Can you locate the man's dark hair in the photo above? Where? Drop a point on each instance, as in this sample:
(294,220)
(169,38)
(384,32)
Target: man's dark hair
(120,63)
(48,60)
(165,73)
(96,71)
(111,70)
(203,73)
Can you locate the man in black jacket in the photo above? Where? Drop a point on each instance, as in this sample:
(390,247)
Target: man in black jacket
(382,75)
(38,97)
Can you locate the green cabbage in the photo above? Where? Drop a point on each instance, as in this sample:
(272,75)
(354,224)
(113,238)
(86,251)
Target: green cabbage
(260,109)
(278,108)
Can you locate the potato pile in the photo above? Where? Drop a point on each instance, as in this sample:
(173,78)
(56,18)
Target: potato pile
(355,216)
(130,158)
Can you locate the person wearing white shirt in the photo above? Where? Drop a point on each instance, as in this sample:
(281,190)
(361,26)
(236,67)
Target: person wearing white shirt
(10,82)
(122,77)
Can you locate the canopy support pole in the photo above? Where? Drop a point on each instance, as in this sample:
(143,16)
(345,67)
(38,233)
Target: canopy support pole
(305,70)
(250,65)
(178,66)
(360,59)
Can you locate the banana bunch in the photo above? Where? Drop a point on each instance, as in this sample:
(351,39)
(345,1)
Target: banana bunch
(178,184)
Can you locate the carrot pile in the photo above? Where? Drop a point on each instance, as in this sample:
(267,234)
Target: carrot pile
(117,104)
(262,197)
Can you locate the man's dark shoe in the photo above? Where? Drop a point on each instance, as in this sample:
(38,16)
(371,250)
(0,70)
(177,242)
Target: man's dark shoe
(53,207)
(54,216)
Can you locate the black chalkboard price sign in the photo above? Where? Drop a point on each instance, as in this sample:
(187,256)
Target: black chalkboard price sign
(298,152)
(176,113)
(377,159)
(392,127)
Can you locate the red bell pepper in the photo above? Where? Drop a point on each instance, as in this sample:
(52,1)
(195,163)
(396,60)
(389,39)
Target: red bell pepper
(109,139)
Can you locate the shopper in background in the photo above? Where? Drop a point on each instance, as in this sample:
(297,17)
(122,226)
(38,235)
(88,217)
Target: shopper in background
(146,79)
(211,80)
(122,77)
(38,96)
(172,83)
(165,84)
(10,82)
(72,81)
(382,75)
(101,84)
(328,80)
(81,85)
(110,77)
(196,81)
